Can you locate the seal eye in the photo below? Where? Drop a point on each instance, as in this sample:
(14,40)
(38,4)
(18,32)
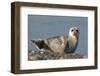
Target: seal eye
(77,30)
(72,30)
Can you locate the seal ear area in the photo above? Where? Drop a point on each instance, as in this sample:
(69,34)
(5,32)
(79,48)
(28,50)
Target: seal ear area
(39,43)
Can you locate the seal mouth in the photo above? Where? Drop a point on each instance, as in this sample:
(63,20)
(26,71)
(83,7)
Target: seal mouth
(75,33)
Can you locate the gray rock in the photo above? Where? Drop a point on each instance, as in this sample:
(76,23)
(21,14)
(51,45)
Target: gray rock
(47,55)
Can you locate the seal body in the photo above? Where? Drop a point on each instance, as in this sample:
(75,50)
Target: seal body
(59,44)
